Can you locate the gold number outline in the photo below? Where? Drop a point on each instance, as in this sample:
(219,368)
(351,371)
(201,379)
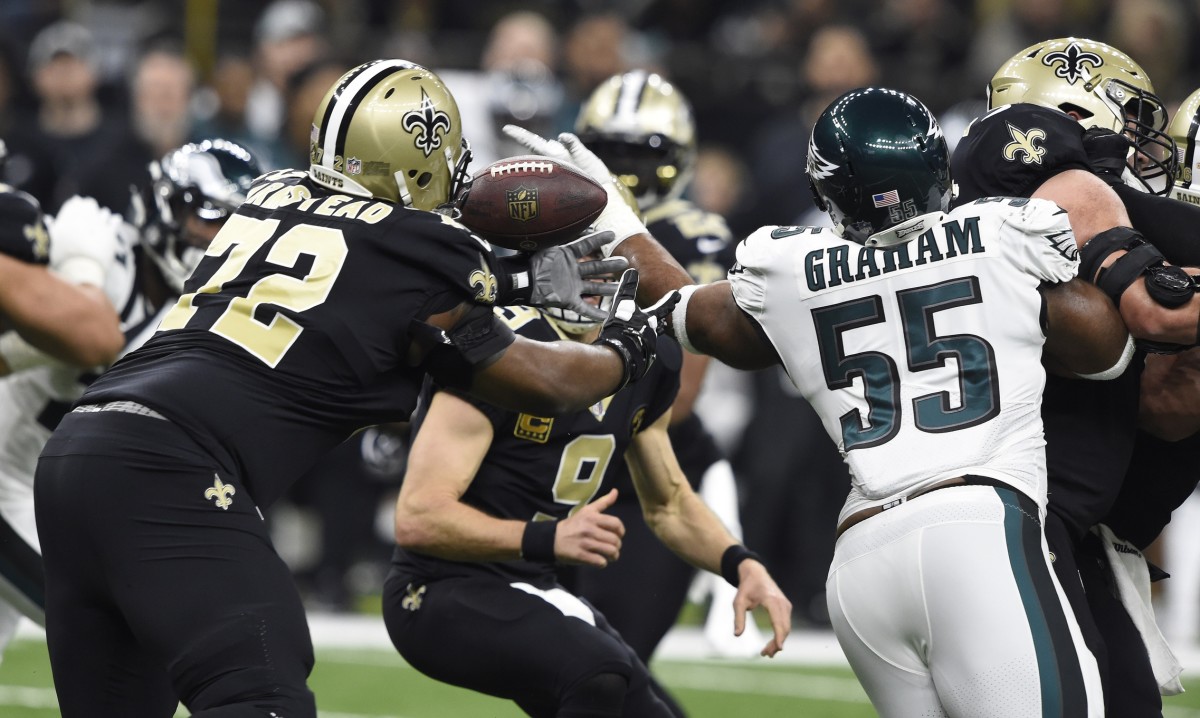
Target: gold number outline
(243,236)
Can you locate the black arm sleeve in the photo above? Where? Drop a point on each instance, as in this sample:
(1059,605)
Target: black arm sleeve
(1170,225)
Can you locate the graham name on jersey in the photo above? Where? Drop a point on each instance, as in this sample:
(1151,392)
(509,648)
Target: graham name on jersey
(269,192)
(832,266)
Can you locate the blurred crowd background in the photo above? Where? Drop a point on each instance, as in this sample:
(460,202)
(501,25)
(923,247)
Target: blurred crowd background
(90,92)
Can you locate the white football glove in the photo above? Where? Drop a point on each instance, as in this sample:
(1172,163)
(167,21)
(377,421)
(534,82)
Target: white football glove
(83,241)
(617,217)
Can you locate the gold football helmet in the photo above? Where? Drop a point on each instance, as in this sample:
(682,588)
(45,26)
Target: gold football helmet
(1100,85)
(390,129)
(642,127)
(1182,130)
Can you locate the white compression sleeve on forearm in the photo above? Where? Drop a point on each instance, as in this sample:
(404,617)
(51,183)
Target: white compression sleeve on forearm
(679,318)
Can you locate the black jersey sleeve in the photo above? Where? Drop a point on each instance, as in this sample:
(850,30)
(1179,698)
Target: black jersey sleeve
(1166,223)
(1012,150)
(23,234)
(665,380)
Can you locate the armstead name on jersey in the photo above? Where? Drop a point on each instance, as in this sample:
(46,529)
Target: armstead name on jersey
(273,190)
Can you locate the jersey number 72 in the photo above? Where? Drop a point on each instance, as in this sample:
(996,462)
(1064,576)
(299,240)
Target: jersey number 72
(242,237)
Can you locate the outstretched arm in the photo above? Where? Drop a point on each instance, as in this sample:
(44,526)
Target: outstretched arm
(710,320)
(73,323)
(689,528)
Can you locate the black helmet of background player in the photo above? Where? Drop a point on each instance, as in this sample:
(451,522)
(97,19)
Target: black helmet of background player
(877,158)
(642,127)
(205,180)
(390,129)
(1183,129)
(1100,85)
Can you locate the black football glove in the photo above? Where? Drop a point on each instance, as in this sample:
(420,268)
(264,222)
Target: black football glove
(1107,153)
(634,333)
(554,276)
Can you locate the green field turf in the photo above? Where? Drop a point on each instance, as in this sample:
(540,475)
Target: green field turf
(377,684)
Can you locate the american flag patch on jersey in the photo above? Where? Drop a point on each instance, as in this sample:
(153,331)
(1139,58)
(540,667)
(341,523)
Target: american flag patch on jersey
(886,199)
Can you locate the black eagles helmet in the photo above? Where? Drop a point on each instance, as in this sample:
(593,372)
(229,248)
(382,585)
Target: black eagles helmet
(208,179)
(877,157)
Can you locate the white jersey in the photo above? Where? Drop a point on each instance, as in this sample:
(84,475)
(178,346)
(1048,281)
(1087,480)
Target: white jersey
(33,401)
(897,347)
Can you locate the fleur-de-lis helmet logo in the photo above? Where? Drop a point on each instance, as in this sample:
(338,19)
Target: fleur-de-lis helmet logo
(1072,63)
(425,122)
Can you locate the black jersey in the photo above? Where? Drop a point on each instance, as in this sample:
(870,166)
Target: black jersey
(1012,150)
(23,232)
(548,467)
(702,243)
(293,330)
(1089,425)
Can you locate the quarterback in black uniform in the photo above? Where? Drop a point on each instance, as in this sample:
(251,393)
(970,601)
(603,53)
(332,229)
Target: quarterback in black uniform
(492,499)
(641,126)
(315,312)
(1078,111)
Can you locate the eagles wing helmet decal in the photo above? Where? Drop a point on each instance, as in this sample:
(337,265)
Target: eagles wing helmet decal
(818,166)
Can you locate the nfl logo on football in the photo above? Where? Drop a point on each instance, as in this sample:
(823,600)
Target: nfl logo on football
(522,204)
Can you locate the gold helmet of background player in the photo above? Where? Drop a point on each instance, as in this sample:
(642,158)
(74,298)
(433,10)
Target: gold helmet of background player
(642,127)
(390,129)
(1102,85)
(1183,130)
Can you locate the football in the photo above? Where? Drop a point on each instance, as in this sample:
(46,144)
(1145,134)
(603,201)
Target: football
(530,202)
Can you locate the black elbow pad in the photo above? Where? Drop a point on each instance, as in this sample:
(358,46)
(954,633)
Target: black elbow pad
(1116,278)
(453,357)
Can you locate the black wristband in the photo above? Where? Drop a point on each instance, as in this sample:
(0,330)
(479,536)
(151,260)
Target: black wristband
(515,280)
(537,543)
(627,366)
(732,558)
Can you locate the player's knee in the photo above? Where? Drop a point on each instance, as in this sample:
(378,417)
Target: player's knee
(599,696)
(247,669)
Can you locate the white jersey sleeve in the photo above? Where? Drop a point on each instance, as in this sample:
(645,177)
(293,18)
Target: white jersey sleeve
(1049,251)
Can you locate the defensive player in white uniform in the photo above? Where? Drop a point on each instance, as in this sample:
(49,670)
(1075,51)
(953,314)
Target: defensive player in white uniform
(195,188)
(918,336)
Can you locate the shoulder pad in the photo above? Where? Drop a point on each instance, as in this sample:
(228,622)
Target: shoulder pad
(23,232)
(1011,150)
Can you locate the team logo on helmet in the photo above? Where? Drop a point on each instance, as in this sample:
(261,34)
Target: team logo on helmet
(1074,61)
(522,203)
(425,121)
(1025,143)
(222,492)
(818,166)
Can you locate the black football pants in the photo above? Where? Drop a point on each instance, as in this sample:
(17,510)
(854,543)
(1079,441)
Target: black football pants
(156,592)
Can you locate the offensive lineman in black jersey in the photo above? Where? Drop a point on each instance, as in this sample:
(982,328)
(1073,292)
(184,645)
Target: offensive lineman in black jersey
(641,126)
(1055,111)
(492,499)
(316,311)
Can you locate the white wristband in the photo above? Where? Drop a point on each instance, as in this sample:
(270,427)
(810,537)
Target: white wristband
(20,355)
(679,318)
(1115,370)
